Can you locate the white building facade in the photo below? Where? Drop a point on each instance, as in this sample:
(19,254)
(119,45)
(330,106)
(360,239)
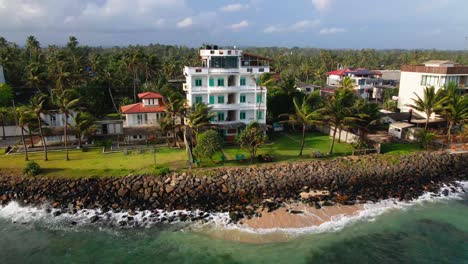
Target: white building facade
(365,81)
(228,81)
(437,73)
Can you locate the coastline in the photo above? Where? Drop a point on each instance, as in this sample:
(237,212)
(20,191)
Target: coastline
(246,192)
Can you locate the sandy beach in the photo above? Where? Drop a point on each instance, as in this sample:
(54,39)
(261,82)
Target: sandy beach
(273,226)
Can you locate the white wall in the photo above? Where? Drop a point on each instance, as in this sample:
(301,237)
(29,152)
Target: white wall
(12,131)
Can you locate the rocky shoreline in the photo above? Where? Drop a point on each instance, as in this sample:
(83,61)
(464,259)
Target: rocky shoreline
(244,191)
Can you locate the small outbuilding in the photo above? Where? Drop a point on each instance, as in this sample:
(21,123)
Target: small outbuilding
(399,129)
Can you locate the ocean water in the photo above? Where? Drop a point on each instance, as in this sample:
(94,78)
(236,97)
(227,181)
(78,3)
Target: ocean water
(427,230)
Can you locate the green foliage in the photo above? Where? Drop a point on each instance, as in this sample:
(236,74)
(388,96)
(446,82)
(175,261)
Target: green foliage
(31,169)
(208,143)
(6,95)
(251,138)
(431,102)
(161,170)
(390,105)
(103,143)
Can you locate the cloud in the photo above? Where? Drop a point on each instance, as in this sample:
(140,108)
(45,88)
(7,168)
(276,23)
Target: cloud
(333,30)
(304,24)
(240,25)
(90,15)
(187,22)
(321,5)
(296,27)
(233,7)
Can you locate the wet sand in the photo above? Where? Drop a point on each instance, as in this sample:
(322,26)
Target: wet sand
(275,226)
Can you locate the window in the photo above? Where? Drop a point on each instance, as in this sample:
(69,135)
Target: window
(139,119)
(242,81)
(260,115)
(211,99)
(220,116)
(198,70)
(225,62)
(212,119)
(454,79)
(211,51)
(261,70)
(362,82)
(220,81)
(249,69)
(242,115)
(198,82)
(430,80)
(242,98)
(221,99)
(211,82)
(259,98)
(198,99)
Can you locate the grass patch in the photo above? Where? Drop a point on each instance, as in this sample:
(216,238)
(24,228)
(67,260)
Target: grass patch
(93,163)
(400,148)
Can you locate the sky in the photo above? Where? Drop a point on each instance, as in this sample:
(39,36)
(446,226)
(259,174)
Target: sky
(380,24)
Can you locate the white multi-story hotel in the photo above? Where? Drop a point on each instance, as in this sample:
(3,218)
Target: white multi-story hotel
(228,82)
(437,73)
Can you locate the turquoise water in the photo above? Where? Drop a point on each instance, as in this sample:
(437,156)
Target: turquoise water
(427,232)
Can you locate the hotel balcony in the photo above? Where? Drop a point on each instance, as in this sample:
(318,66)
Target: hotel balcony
(243,69)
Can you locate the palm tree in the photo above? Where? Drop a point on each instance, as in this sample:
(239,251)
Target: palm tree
(338,111)
(306,114)
(264,81)
(24,117)
(199,116)
(430,103)
(166,125)
(37,108)
(4,111)
(347,83)
(134,63)
(174,108)
(454,107)
(66,101)
(368,114)
(84,125)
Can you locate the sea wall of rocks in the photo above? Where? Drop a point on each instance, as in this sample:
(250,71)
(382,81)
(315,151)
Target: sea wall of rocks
(244,189)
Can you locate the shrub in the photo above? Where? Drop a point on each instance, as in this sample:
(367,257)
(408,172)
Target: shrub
(208,143)
(160,170)
(31,169)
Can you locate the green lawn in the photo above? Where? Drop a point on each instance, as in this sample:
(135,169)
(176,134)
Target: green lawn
(96,164)
(400,148)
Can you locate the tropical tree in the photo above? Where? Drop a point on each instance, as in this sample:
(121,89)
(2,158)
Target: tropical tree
(24,118)
(37,108)
(338,111)
(83,125)
(199,116)
(4,111)
(208,144)
(175,110)
(251,138)
(454,107)
(306,114)
(368,115)
(430,102)
(347,83)
(166,124)
(6,94)
(66,101)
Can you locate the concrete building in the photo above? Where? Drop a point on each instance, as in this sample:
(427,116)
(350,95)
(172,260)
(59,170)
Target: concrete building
(54,126)
(437,73)
(307,88)
(364,80)
(228,82)
(142,120)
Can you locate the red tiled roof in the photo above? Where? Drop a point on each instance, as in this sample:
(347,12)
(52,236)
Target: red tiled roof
(139,108)
(343,72)
(149,95)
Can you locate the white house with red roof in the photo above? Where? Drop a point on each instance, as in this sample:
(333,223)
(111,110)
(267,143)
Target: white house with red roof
(364,80)
(142,119)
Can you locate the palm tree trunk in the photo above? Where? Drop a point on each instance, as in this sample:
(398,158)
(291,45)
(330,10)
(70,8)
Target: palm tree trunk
(44,145)
(333,141)
(31,138)
(449,132)
(339,135)
(112,97)
(134,87)
(303,139)
(174,144)
(66,137)
(3,126)
(26,157)
(188,149)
